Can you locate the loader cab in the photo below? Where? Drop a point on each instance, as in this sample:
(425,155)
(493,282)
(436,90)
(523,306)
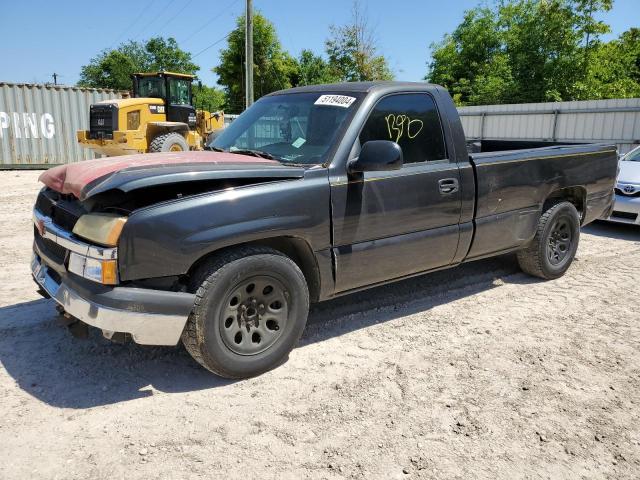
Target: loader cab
(174,89)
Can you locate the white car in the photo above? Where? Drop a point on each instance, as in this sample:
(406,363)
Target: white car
(627,204)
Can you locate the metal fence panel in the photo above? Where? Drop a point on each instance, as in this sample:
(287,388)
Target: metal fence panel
(38,123)
(229,118)
(614,121)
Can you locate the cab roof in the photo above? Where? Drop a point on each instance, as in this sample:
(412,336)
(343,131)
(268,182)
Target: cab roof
(364,87)
(166,74)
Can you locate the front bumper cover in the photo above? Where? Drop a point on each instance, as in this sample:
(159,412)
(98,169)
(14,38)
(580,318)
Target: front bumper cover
(626,210)
(151,317)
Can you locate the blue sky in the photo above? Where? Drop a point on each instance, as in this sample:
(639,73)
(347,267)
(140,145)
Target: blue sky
(40,37)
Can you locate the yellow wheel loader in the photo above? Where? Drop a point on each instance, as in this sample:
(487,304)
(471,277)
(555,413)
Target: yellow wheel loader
(159,118)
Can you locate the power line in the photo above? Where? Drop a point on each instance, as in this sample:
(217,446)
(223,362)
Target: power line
(209,22)
(161,11)
(174,16)
(213,44)
(126,30)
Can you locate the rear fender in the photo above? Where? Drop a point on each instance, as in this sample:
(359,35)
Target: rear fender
(576,195)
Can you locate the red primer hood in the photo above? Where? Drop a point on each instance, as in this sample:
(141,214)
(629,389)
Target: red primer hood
(74,177)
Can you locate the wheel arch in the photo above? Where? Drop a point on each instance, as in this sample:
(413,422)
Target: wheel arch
(577,195)
(160,128)
(296,248)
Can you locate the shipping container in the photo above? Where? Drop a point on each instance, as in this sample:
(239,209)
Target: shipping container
(615,121)
(38,123)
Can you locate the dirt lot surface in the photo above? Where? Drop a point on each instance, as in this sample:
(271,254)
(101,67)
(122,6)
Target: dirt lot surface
(476,372)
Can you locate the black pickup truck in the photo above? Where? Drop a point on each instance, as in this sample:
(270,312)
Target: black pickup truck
(312,193)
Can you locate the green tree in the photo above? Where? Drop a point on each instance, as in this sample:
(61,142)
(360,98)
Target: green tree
(313,70)
(113,68)
(208,98)
(494,83)
(167,55)
(542,42)
(353,52)
(466,54)
(524,51)
(613,69)
(273,69)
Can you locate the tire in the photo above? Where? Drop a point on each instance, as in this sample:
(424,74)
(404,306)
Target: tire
(169,142)
(238,331)
(554,246)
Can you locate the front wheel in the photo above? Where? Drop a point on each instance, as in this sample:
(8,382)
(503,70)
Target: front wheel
(250,310)
(555,243)
(169,142)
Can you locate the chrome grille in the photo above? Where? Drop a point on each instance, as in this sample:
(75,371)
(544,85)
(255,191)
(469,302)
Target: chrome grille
(51,249)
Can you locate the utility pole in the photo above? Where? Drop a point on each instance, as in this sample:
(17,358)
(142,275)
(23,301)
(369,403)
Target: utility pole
(248,37)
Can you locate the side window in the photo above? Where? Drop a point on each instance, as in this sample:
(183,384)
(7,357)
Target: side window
(179,92)
(412,121)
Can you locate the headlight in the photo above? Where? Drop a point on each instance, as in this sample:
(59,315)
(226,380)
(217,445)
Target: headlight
(101,228)
(101,271)
(133,120)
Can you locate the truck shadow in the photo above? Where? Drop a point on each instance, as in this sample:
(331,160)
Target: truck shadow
(62,371)
(406,297)
(619,231)
(47,362)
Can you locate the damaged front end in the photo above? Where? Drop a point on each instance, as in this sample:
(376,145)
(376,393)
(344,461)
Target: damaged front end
(65,267)
(78,220)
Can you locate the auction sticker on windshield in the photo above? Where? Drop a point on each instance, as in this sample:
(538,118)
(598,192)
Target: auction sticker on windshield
(298,143)
(335,100)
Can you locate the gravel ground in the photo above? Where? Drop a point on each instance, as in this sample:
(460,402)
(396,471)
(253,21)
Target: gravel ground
(476,372)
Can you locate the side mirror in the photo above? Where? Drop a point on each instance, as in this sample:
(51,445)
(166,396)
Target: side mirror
(376,156)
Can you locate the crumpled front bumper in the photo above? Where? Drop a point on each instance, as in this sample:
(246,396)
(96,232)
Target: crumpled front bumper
(151,317)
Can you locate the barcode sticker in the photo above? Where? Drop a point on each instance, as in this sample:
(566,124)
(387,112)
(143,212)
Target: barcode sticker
(343,101)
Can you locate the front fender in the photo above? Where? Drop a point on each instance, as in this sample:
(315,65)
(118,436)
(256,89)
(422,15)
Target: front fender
(167,239)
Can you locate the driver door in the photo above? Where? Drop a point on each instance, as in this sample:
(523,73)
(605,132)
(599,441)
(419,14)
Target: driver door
(391,224)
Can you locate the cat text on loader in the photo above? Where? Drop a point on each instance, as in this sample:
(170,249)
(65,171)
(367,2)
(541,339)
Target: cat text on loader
(159,118)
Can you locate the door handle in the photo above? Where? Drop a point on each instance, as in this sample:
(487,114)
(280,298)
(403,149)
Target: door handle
(448,186)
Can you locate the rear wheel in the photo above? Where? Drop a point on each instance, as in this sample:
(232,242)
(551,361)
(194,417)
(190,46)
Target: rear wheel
(169,142)
(554,246)
(251,308)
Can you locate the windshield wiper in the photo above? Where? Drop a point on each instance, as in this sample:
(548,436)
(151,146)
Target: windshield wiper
(255,153)
(245,151)
(214,149)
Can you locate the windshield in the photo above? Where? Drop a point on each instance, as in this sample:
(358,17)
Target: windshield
(295,128)
(633,156)
(151,87)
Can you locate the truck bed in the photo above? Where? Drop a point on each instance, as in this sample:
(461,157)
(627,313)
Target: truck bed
(492,145)
(512,185)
